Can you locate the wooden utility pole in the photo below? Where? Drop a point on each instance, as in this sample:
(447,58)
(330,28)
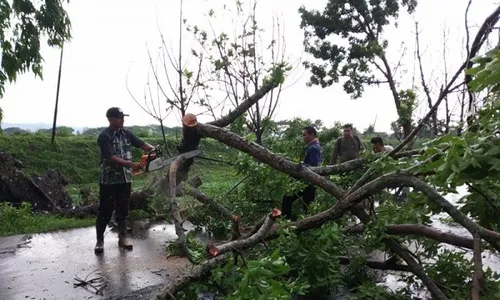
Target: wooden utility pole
(57,98)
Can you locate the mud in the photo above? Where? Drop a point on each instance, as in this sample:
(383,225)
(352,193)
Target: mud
(45,267)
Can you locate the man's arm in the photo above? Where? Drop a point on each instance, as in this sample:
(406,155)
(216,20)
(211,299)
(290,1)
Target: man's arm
(147,147)
(335,153)
(108,153)
(138,143)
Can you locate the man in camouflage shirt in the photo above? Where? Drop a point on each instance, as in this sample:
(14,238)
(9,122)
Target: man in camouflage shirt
(346,147)
(115,176)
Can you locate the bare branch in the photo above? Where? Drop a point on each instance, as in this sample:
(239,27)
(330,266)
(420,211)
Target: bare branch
(476,46)
(422,78)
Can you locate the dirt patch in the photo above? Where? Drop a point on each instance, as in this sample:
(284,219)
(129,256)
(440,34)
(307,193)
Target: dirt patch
(45,193)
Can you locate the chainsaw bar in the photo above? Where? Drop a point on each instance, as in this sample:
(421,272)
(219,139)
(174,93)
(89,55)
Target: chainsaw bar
(160,162)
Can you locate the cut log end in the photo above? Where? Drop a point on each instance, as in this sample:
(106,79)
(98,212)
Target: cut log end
(189,120)
(212,250)
(276,213)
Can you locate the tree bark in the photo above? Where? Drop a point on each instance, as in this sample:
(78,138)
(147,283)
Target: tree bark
(357,163)
(174,207)
(250,241)
(478,269)
(422,230)
(193,275)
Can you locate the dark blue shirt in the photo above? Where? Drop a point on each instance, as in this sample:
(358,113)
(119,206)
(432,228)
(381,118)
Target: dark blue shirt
(313,156)
(116,143)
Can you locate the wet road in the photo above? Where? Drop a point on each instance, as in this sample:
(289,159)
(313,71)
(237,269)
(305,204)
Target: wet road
(45,267)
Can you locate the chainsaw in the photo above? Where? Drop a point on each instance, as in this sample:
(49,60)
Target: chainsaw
(154,160)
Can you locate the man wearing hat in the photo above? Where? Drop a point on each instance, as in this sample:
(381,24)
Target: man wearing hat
(115,176)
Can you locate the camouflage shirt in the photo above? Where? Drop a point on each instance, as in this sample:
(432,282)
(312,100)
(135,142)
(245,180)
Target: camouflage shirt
(116,143)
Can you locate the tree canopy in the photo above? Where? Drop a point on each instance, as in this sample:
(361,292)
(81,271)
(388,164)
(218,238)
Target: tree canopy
(24,26)
(359,22)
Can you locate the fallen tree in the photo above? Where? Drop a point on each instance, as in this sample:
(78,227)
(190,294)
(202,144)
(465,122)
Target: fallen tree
(373,181)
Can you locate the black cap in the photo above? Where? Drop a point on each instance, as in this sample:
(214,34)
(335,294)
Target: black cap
(115,112)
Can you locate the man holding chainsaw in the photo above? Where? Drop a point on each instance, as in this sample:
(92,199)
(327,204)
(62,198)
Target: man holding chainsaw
(115,176)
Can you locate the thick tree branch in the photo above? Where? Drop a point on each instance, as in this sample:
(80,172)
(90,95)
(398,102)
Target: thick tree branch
(356,164)
(262,154)
(478,269)
(490,236)
(251,241)
(191,275)
(174,207)
(416,269)
(379,265)
(242,107)
(422,230)
(207,201)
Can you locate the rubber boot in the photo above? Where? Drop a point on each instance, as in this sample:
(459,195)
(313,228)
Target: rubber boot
(122,235)
(113,222)
(100,228)
(99,247)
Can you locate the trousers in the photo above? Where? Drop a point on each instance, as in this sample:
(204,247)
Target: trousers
(113,197)
(307,194)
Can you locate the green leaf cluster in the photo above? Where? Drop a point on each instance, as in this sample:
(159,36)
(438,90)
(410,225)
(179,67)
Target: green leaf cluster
(24,24)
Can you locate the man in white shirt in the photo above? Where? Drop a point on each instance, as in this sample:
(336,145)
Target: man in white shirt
(378,145)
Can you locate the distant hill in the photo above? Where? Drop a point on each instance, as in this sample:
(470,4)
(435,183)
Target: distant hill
(62,130)
(34,127)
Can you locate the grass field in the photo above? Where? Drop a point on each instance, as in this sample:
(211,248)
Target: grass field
(78,159)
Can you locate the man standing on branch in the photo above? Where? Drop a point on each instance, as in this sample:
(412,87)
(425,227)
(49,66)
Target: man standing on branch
(347,147)
(313,157)
(115,176)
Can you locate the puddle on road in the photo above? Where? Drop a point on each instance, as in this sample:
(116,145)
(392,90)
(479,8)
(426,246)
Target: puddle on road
(47,267)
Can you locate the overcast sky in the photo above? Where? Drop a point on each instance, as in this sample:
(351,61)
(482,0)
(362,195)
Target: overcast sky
(110,37)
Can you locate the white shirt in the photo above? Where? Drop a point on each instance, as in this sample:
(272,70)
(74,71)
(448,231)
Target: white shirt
(388,148)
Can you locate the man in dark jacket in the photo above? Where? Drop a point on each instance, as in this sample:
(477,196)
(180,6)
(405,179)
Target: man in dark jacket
(347,147)
(313,157)
(115,176)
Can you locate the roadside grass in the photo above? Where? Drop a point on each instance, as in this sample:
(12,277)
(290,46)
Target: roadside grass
(22,221)
(216,178)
